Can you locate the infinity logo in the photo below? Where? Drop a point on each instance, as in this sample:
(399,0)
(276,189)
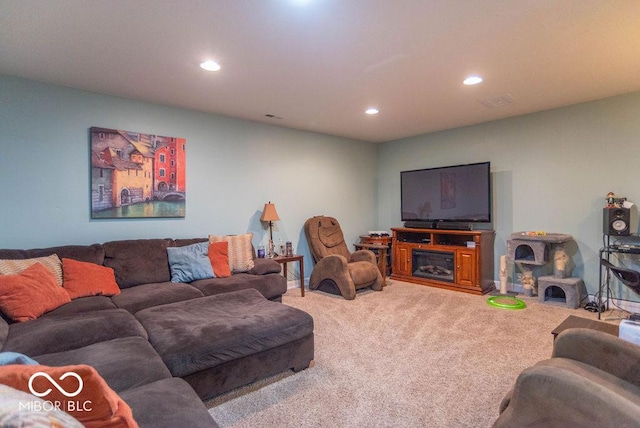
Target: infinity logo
(54,383)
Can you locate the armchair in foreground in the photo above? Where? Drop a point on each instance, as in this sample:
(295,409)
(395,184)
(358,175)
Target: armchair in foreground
(591,380)
(337,270)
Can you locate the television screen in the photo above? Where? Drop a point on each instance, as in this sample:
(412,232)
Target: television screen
(460,193)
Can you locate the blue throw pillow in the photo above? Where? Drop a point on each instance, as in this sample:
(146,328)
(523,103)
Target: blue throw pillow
(190,263)
(7,358)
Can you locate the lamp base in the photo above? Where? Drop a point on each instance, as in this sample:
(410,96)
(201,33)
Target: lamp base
(271,249)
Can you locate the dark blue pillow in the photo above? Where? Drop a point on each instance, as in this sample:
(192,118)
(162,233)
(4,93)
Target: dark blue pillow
(190,262)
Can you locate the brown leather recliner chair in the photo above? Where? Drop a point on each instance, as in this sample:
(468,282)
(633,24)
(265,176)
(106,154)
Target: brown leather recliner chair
(337,270)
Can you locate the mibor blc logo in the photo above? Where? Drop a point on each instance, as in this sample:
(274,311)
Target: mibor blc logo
(66,405)
(54,383)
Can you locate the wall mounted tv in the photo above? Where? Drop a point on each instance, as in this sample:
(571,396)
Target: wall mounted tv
(451,194)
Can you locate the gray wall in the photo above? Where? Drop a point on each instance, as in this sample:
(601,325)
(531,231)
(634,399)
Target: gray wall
(233,168)
(550,171)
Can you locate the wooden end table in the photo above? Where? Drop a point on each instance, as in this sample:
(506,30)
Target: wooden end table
(283,260)
(578,322)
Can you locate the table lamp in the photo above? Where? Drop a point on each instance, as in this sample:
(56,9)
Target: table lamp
(270,215)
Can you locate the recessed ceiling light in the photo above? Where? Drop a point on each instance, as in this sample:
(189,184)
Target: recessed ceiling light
(372,110)
(210,65)
(472,80)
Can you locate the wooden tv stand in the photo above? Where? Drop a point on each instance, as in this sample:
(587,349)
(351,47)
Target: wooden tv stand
(460,260)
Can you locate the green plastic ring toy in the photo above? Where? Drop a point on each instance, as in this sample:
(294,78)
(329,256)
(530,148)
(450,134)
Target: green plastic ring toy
(506,302)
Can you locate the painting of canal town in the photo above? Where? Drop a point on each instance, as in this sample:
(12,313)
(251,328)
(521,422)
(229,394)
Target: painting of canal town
(136,175)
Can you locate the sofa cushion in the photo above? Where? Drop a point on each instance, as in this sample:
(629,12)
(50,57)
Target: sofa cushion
(63,332)
(271,286)
(52,263)
(147,295)
(138,261)
(32,292)
(181,242)
(265,266)
(167,403)
(198,334)
(190,262)
(82,304)
(124,363)
(86,253)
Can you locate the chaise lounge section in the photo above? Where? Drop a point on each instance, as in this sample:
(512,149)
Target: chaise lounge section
(213,331)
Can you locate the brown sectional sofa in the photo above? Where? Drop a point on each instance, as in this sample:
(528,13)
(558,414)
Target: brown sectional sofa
(162,346)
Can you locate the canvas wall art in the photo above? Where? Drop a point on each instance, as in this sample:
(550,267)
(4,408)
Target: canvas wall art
(136,175)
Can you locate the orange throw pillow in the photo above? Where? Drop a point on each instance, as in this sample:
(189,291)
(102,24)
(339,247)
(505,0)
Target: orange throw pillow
(219,257)
(82,279)
(27,295)
(79,390)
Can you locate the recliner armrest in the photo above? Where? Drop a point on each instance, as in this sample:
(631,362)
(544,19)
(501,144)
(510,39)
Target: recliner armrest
(363,256)
(600,350)
(333,263)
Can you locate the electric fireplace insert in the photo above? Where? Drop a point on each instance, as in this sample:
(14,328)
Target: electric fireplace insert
(438,265)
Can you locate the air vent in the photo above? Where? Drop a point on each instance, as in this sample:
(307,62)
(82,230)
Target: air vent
(501,101)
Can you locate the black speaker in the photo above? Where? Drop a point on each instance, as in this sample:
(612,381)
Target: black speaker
(616,221)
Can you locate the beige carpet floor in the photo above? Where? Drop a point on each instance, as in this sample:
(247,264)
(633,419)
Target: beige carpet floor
(409,356)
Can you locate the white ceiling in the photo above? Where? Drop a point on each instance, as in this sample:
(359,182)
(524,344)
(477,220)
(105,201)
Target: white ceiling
(318,65)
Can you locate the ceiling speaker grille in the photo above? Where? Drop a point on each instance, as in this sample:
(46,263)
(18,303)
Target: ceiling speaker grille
(501,101)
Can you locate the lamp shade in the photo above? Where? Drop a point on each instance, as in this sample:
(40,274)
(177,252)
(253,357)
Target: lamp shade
(269,213)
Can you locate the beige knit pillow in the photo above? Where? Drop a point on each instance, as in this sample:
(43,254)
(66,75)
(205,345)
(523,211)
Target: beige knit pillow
(240,251)
(52,262)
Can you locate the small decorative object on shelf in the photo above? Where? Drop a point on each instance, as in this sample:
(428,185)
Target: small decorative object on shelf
(289,249)
(535,233)
(261,252)
(615,202)
(374,233)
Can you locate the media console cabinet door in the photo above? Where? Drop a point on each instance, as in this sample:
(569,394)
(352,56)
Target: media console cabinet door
(402,259)
(466,272)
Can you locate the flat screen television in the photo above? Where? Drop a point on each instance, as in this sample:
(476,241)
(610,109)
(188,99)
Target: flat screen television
(451,194)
